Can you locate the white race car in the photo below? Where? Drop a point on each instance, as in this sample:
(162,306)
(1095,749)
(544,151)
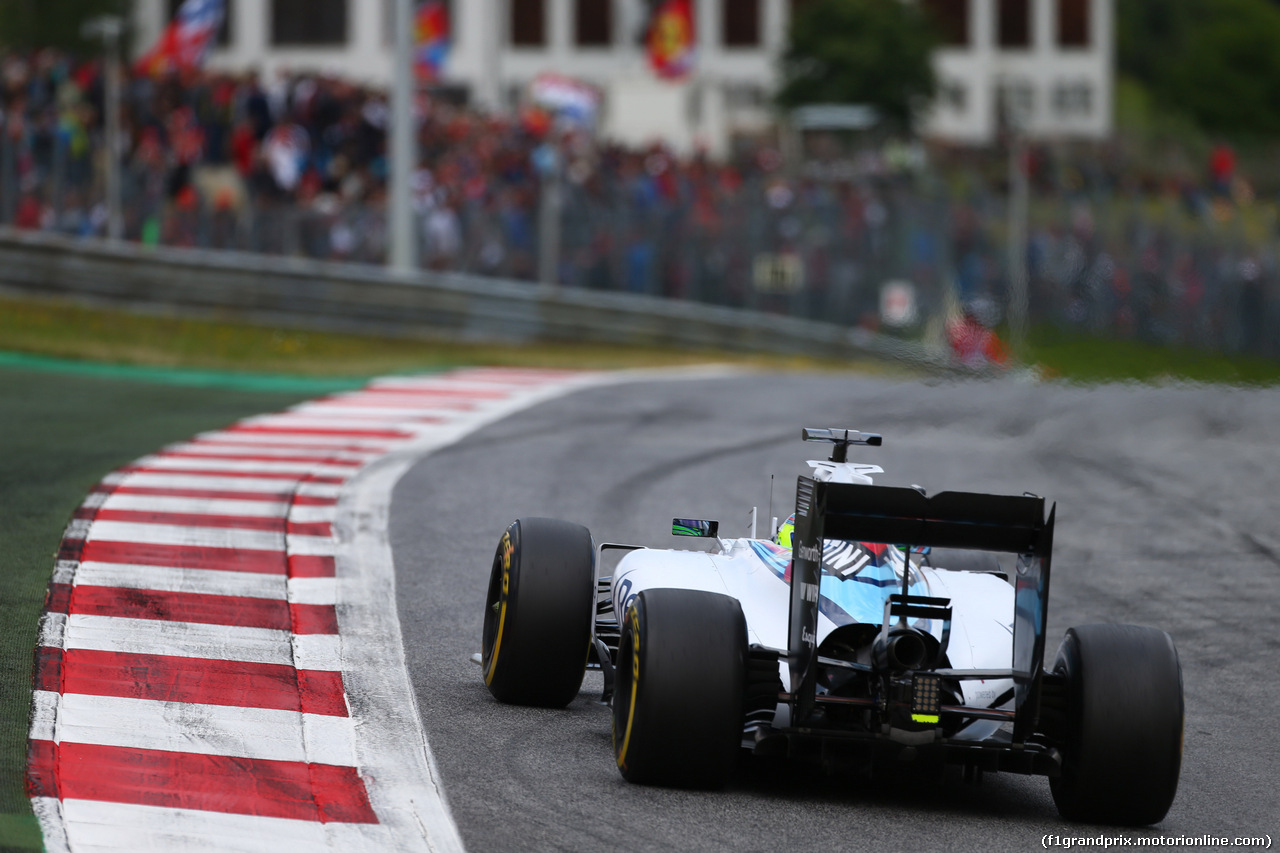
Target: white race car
(889,633)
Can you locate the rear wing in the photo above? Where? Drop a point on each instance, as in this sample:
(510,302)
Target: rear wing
(903,516)
(1008,523)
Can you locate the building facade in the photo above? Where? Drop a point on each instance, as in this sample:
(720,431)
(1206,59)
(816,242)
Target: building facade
(1045,65)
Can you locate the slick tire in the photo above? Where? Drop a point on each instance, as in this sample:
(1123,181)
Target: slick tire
(1122,749)
(538,613)
(678,689)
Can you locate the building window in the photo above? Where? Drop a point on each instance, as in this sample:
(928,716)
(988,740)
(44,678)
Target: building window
(951,18)
(1073,99)
(224,32)
(744,96)
(1073,23)
(593,23)
(954,96)
(1013,23)
(529,23)
(1015,104)
(740,22)
(309,22)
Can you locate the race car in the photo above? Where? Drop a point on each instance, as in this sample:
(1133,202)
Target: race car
(878,626)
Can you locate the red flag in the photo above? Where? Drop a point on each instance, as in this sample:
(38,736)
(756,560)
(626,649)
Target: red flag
(185,43)
(431,39)
(672,39)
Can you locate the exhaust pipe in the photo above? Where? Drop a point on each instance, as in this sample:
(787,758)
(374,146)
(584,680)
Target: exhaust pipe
(901,649)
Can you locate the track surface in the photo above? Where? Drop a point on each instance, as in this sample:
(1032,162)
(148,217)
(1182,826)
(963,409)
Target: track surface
(1166,517)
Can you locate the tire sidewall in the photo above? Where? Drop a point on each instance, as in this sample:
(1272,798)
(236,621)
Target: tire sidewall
(539,612)
(677,705)
(1122,750)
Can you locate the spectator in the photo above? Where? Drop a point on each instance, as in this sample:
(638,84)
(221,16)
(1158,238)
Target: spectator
(298,165)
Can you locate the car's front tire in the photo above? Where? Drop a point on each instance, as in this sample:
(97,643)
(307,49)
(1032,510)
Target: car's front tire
(538,613)
(678,693)
(1122,742)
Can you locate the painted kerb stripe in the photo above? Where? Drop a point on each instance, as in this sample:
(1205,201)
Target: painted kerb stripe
(197,650)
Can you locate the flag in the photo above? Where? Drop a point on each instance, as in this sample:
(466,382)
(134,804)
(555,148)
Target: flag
(185,43)
(672,40)
(566,97)
(430,39)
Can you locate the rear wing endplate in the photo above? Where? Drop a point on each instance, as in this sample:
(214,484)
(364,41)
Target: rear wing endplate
(903,516)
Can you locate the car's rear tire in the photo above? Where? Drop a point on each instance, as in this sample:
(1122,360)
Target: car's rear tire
(678,693)
(538,613)
(1122,740)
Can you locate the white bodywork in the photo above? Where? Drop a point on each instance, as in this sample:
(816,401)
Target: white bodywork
(753,571)
(982,604)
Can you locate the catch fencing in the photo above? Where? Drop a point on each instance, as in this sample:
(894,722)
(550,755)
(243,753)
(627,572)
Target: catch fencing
(305,293)
(893,253)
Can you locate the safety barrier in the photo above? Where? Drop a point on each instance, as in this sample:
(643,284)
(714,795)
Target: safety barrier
(301,293)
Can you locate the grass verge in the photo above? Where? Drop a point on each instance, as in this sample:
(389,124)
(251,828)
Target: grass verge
(1089,360)
(60,329)
(59,434)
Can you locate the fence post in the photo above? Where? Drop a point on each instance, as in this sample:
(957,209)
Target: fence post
(1017,247)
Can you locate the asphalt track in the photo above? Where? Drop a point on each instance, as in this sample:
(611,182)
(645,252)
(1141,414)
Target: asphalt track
(1166,517)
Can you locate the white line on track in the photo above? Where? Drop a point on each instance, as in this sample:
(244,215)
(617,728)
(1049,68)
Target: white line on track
(319,546)
(337,425)
(457,387)
(384,399)
(318,490)
(197,506)
(231,438)
(313,590)
(190,640)
(376,413)
(201,581)
(205,448)
(247,466)
(64,571)
(227,507)
(304,514)
(195,537)
(123,826)
(231,730)
(213,482)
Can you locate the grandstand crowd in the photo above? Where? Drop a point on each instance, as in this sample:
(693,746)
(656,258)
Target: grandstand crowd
(297,164)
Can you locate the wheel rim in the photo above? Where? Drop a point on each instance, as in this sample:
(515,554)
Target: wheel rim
(495,609)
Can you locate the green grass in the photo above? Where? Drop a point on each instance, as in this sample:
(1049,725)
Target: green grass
(59,434)
(1090,360)
(66,330)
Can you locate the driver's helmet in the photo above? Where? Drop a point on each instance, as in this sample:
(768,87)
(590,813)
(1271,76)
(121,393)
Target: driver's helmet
(783,536)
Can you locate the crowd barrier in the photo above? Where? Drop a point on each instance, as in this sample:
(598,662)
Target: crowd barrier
(365,299)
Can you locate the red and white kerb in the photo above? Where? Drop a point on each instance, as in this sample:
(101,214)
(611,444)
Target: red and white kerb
(188,685)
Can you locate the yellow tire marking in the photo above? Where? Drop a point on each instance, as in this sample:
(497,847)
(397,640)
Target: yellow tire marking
(507,551)
(634,619)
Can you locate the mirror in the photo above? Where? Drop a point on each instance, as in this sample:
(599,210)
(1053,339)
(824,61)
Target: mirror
(694,527)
